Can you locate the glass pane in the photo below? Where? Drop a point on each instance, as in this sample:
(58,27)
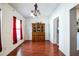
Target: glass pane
(17,24)
(18,34)
(18,29)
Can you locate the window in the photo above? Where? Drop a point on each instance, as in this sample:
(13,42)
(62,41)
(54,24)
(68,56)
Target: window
(18,29)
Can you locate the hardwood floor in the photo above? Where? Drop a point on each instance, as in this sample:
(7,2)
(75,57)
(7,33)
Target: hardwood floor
(29,48)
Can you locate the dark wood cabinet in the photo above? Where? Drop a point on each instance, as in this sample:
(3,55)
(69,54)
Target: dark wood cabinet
(38,32)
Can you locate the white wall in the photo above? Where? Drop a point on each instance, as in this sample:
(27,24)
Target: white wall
(7,28)
(28,27)
(63,11)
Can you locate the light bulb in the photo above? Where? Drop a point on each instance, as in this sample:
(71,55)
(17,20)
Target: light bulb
(31,14)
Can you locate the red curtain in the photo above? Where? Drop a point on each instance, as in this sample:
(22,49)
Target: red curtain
(0,37)
(14,30)
(21,29)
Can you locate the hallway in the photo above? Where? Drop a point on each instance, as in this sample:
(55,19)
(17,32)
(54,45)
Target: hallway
(23,24)
(29,48)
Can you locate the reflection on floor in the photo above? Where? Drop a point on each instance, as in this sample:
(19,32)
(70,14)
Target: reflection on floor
(29,48)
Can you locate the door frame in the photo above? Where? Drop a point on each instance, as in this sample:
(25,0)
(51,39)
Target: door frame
(56,30)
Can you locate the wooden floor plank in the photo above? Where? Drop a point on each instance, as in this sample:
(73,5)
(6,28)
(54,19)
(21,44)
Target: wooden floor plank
(29,48)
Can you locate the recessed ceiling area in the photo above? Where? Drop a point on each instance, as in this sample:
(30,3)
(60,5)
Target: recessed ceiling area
(45,9)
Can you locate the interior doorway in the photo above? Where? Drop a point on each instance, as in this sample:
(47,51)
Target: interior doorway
(56,30)
(74,31)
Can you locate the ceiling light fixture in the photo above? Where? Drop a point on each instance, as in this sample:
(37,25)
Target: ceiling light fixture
(35,12)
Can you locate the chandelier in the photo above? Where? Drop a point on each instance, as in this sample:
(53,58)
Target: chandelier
(35,12)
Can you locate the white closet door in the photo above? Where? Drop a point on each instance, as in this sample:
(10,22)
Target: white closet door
(18,29)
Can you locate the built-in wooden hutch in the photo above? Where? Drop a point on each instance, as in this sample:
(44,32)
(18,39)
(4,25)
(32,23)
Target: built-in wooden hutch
(38,32)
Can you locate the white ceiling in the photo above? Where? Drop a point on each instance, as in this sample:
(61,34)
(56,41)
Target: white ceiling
(45,9)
